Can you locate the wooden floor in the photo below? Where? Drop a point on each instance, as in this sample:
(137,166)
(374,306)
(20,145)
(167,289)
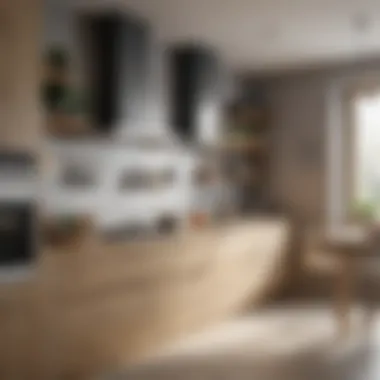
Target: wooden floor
(282,343)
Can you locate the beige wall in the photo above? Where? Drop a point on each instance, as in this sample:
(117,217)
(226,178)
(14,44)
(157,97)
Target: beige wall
(301,105)
(298,113)
(19,73)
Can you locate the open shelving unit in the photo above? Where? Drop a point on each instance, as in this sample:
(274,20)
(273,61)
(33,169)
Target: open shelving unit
(245,152)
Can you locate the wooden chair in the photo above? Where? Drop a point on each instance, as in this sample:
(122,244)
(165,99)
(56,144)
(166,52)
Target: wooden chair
(352,246)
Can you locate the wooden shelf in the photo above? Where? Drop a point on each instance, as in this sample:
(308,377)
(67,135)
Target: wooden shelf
(255,145)
(247,147)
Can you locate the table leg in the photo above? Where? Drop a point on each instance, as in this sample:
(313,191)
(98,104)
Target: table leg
(370,310)
(344,295)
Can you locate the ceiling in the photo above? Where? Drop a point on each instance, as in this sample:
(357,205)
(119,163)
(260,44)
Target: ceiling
(271,34)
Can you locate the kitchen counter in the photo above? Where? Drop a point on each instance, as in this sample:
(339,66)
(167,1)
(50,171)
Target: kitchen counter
(108,305)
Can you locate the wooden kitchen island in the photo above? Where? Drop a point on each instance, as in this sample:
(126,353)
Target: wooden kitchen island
(108,305)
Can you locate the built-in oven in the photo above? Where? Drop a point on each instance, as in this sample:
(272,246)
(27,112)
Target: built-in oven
(18,209)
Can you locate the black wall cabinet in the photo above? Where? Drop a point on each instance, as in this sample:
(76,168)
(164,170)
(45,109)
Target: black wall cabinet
(117,59)
(194,77)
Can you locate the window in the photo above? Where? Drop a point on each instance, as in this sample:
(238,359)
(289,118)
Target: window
(367,152)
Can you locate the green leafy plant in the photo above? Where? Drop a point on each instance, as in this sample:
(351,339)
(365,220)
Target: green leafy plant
(365,210)
(53,95)
(54,90)
(73,102)
(57,58)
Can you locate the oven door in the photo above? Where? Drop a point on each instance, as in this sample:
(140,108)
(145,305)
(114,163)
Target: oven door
(17,241)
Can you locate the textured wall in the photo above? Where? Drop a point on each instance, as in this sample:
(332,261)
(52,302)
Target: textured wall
(19,73)
(298,144)
(308,128)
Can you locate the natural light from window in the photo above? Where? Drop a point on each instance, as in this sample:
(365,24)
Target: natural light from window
(367,151)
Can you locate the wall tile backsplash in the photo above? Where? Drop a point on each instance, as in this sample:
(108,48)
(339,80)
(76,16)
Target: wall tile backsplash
(131,185)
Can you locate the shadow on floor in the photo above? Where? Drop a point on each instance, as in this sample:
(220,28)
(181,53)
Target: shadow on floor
(283,343)
(358,364)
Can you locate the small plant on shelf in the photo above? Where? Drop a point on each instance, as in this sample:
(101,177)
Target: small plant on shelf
(64,103)
(246,126)
(54,87)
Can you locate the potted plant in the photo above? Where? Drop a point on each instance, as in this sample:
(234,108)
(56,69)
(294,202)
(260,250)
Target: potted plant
(68,231)
(65,104)
(366,211)
(55,84)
